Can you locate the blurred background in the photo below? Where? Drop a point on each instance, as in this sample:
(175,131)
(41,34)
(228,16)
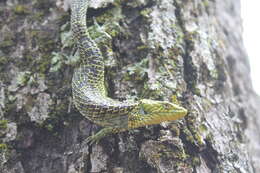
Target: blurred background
(251,23)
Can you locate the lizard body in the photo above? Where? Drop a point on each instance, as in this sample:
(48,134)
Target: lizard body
(88,88)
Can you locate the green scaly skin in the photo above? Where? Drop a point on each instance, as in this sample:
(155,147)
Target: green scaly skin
(88,88)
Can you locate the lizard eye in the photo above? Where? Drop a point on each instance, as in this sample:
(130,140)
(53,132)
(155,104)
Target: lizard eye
(142,111)
(166,106)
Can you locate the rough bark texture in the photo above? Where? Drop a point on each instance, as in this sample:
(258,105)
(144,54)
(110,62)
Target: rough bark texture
(191,51)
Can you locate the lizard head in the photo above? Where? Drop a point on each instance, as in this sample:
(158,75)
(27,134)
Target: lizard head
(162,110)
(151,112)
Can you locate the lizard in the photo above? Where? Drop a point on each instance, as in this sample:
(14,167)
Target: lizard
(89,93)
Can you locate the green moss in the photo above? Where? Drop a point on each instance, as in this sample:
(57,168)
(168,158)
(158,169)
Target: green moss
(33,33)
(2,11)
(66,36)
(8,40)
(3,62)
(46,43)
(190,37)
(40,4)
(198,138)
(142,47)
(188,136)
(205,3)
(6,43)
(118,2)
(193,133)
(203,128)
(196,161)
(37,16)
(153,90)
(169,153)
(49,127)
(146,12)
(174,99)
(110,22)
(3,147)
(23,78)
(63,19)
(56,62)
(214,74)
(197,91)
(28,56)
(138,71)
(45,40)
(108,15)
(209,137)
(179,35)
(175,130)
(43,64)
(21,10)
(58,118)
(3,124)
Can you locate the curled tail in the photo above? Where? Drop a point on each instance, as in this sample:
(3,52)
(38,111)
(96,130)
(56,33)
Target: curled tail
(78,17)
(91,59)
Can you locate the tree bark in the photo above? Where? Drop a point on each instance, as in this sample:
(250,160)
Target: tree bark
(189,52)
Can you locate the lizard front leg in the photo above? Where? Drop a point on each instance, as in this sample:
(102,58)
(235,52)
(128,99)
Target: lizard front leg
(99,135)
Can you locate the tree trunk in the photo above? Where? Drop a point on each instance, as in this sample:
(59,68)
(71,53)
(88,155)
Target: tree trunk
(189,52)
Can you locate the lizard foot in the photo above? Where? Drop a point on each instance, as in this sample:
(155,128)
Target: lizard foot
(98,136)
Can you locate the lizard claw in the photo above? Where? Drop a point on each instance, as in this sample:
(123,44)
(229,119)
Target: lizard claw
(92,140)
(98,136)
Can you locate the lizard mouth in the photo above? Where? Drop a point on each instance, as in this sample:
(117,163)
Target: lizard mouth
(183,111)
(179,113)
